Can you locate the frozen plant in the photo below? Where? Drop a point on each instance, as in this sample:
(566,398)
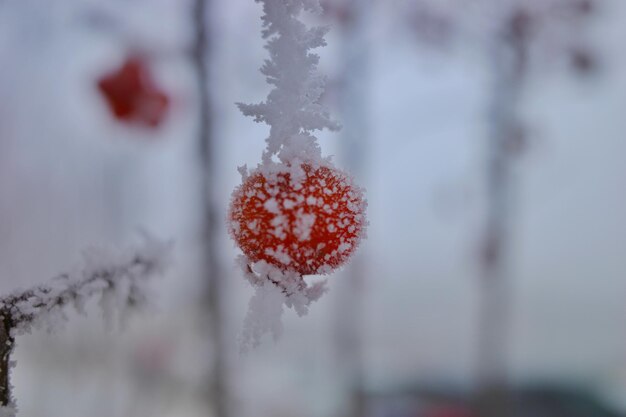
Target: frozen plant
(292,108)
(116,279)
(295,214)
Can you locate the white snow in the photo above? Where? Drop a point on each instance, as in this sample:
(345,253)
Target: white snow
(271,205)
(292,107)
(117,278)
(344,247)
(304,223)
(253,226)
(294,214)
(288,204)
(273,289)
(279,254)
(265,310)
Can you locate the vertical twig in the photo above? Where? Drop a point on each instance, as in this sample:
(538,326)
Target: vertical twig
(509,55)
(216,385)
(7,343)
(354,137)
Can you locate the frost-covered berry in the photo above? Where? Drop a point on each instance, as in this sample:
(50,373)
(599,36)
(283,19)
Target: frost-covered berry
(305,219)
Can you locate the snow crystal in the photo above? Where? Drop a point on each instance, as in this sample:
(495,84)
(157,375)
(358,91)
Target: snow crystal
(271,205)
(303,225)
(117,278)
(279,222)
(243,171)
(292,108)
(279,254)
(274,289)
(253,226)
(289,204)
(344,247)
(265,311)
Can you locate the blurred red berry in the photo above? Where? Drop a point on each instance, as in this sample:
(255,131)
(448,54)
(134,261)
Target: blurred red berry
(311,225)
(132,94)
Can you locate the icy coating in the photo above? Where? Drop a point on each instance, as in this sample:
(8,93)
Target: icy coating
(292,108)
(310,226)
(295,214)
(117,278)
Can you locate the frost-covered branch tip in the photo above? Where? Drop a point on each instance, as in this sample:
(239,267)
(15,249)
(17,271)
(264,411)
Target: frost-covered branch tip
(113,278)
(292,108)
(274,288)
(117,279)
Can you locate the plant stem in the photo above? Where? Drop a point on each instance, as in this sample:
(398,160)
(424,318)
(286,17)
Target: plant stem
(7,342)
(216,385)
(509,55)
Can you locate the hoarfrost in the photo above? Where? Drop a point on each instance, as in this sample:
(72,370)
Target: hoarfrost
(243,171)
(117,278)
(272,206)
(265,311)
(304,223)
(279,254)
(292,108)
(274,290)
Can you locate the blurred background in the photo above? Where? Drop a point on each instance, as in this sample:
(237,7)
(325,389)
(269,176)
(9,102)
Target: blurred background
(489,135)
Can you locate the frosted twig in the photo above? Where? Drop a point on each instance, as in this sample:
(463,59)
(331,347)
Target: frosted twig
(27,307)
(273,289)
(119,279)
(292,108)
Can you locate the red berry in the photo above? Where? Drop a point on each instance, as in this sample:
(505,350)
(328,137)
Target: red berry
(132,95)
(311,225)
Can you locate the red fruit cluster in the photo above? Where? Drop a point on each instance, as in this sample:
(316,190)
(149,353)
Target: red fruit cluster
(133,96)
(311,225)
